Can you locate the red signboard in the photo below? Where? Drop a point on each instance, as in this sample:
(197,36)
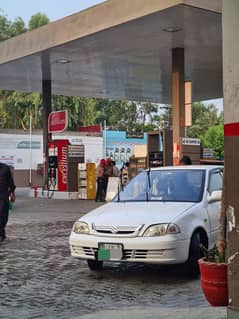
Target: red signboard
(57,121)
(90,128)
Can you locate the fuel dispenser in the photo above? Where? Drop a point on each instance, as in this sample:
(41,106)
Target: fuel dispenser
(159,148)
(57,164)
(158,152)
(52,161)
(63,160)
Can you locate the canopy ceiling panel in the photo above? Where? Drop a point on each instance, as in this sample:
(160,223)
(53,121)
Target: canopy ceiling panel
(129,60)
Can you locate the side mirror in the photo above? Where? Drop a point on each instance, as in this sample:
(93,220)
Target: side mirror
(214,196)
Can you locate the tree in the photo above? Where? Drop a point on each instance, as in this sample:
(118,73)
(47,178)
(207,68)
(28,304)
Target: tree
(37,20)
(15,107)
(10,29)
(118,114)
(81,111)
(203,117)
(17,27)
(4,27)
(221,118)
(214,138)
(145,110)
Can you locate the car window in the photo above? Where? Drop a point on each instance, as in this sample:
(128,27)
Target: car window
(165,185)
(137,190)
(215,181)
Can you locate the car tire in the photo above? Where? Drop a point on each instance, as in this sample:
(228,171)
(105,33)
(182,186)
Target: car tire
(194,254)
(95,264)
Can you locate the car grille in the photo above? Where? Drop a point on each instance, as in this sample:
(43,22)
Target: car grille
(117,230)
(128,254)
(120,232)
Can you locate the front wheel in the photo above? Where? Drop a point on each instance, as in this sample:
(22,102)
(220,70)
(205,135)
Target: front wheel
(194,255)
(95,264)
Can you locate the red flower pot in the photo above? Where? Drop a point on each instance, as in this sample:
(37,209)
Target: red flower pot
(214,282)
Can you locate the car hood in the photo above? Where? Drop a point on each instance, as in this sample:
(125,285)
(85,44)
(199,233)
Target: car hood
(136,213)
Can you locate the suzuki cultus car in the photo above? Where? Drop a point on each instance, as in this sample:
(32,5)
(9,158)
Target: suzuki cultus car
(160,217)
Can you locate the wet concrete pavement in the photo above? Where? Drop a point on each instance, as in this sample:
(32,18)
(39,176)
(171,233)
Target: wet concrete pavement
(39,278)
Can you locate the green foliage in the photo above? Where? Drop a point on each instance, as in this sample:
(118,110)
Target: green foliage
(37,20)
(214,138)
(17,27)
(208,126)
(203,117)
(145,110)
(105,112)
(124,115)
(10,29)
(165,118)
(148,127)
(81,111)
(4,28)
(221,118)
(213,255)
(15,108)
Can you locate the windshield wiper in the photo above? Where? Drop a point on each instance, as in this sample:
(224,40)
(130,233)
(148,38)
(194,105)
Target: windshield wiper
(148,184)
(118,195)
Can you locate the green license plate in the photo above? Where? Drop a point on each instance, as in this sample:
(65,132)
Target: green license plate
(110,251)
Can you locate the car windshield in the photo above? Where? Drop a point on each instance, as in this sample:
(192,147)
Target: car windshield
(182,185)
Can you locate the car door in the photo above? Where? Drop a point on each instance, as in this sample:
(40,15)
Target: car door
(213,208)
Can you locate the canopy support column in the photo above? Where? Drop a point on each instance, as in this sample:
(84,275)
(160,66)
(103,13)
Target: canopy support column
(46,105)
(230,25)
(178,102)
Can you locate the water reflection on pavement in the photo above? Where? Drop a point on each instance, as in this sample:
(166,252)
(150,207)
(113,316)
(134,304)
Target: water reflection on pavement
(39,279)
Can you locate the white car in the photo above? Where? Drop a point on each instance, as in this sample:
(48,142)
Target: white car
(160,217)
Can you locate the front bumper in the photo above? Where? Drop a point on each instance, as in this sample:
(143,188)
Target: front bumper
(167,249)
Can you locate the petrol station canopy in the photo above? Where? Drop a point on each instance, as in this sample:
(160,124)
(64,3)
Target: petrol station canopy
(120,50)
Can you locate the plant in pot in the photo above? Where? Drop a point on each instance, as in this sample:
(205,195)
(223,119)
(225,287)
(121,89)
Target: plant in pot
(213,267)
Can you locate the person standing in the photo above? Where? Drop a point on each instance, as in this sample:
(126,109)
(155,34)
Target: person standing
(108,172)
(185,160)
(7,191)
(116,171)
(100,192)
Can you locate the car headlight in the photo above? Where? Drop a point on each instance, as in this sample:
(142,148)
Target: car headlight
(81,228)
(161,230)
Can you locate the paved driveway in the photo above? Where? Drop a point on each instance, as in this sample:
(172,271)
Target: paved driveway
(39,278)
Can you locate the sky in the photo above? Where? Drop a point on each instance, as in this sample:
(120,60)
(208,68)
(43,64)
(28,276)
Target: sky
(55,9)
(218,103)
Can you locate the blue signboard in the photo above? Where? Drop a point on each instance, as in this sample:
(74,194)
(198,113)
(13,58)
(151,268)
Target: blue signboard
(118,147)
